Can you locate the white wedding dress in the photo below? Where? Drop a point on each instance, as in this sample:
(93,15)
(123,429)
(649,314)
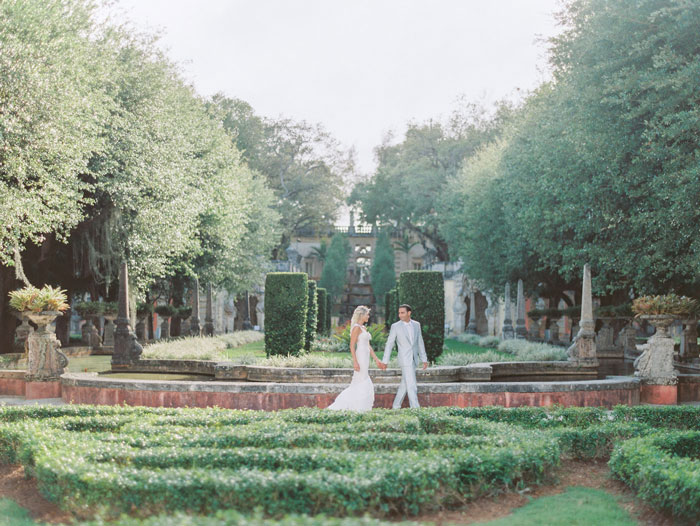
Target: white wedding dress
(359,395)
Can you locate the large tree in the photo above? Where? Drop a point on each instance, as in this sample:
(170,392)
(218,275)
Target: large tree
(383,273)
(405,189)
(301,162)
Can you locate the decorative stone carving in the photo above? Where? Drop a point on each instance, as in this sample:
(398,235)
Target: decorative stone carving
(520,328)
(459,309)
(553,326)
(126,349)
(141,329)
(45,361)
(583,350)
(165,328)
(655,365)
(534,332)
(507,333)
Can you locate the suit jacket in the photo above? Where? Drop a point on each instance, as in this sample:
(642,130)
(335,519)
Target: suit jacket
(410,353)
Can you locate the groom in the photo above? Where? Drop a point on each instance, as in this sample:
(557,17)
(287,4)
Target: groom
(407,335)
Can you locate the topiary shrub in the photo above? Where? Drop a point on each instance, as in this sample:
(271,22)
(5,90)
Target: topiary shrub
(322,302)
(424,291)
(311,315)
(286,303)
(389,307)
(329,312)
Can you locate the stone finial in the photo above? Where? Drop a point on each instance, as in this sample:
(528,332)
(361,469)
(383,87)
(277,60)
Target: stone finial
(471,328)
(126,349)
(195,328)
(583,349)
(507,332)
(520,328)
(209,319)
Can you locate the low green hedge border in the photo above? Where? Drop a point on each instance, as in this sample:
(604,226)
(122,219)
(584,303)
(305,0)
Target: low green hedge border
(664,469)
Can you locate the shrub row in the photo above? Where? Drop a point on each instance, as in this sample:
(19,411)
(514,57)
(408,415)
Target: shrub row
(311,315)
(664,469)
(322,301)
(286,303)
(295,462)
(424,291)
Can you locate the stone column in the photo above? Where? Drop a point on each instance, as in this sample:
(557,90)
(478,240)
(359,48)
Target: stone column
(209,319)
(126,349)
(195,329)
(471,328)
(583,350)
(520,328)
(507,332)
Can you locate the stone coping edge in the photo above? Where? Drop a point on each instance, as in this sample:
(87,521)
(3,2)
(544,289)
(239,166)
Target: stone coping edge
(96,381)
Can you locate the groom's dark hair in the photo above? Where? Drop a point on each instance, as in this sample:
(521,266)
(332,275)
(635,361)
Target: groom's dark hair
(406,306)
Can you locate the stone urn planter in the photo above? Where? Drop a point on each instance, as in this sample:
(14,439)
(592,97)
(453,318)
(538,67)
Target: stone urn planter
(44,361)
(655,365)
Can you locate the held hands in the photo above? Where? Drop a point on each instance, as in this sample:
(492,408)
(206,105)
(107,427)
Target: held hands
(356,365)
(381,365)
(425,365)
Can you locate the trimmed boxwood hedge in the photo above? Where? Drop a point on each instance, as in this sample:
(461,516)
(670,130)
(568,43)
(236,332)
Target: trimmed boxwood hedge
(286,303)
(424,291)
(311,315)
(322,302)
(664,468)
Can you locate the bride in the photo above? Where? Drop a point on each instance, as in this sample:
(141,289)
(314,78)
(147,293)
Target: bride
(359,395)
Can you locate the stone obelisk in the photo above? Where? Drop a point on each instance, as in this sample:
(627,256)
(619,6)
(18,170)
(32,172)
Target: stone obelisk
(583,350)
(507,331)
(520,328)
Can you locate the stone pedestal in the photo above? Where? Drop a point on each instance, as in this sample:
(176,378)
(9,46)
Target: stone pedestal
(534,332)
(655,366)
(109,330)
(553,326)
(141,330)
(165,328)
(126,349)
(507,332)
(22,333)
(45,361)
(689,340)
(93,335)
(472,327)
(520,328)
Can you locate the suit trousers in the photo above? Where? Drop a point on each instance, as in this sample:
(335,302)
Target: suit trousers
(408,385)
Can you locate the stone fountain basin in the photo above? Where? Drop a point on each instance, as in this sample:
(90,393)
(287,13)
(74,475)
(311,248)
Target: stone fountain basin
(480,372)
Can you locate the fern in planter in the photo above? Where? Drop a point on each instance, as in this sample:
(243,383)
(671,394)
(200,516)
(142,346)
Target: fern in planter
(669,304)
(89,308)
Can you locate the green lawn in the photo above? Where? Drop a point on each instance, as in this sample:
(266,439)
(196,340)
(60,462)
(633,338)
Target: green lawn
(457,346)
(575,507)
(12,514)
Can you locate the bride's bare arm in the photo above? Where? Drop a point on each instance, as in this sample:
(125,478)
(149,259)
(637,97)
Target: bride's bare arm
(376,360)
(353,341)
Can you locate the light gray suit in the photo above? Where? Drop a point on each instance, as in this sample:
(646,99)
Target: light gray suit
(411,354)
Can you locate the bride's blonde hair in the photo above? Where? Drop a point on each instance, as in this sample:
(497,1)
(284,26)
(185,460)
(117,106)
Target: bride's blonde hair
(358,314)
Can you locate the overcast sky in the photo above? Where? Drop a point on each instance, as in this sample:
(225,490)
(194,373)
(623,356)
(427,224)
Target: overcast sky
(360,67)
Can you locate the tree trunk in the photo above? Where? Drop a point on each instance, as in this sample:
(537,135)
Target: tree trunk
(178,293)
(8,322)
